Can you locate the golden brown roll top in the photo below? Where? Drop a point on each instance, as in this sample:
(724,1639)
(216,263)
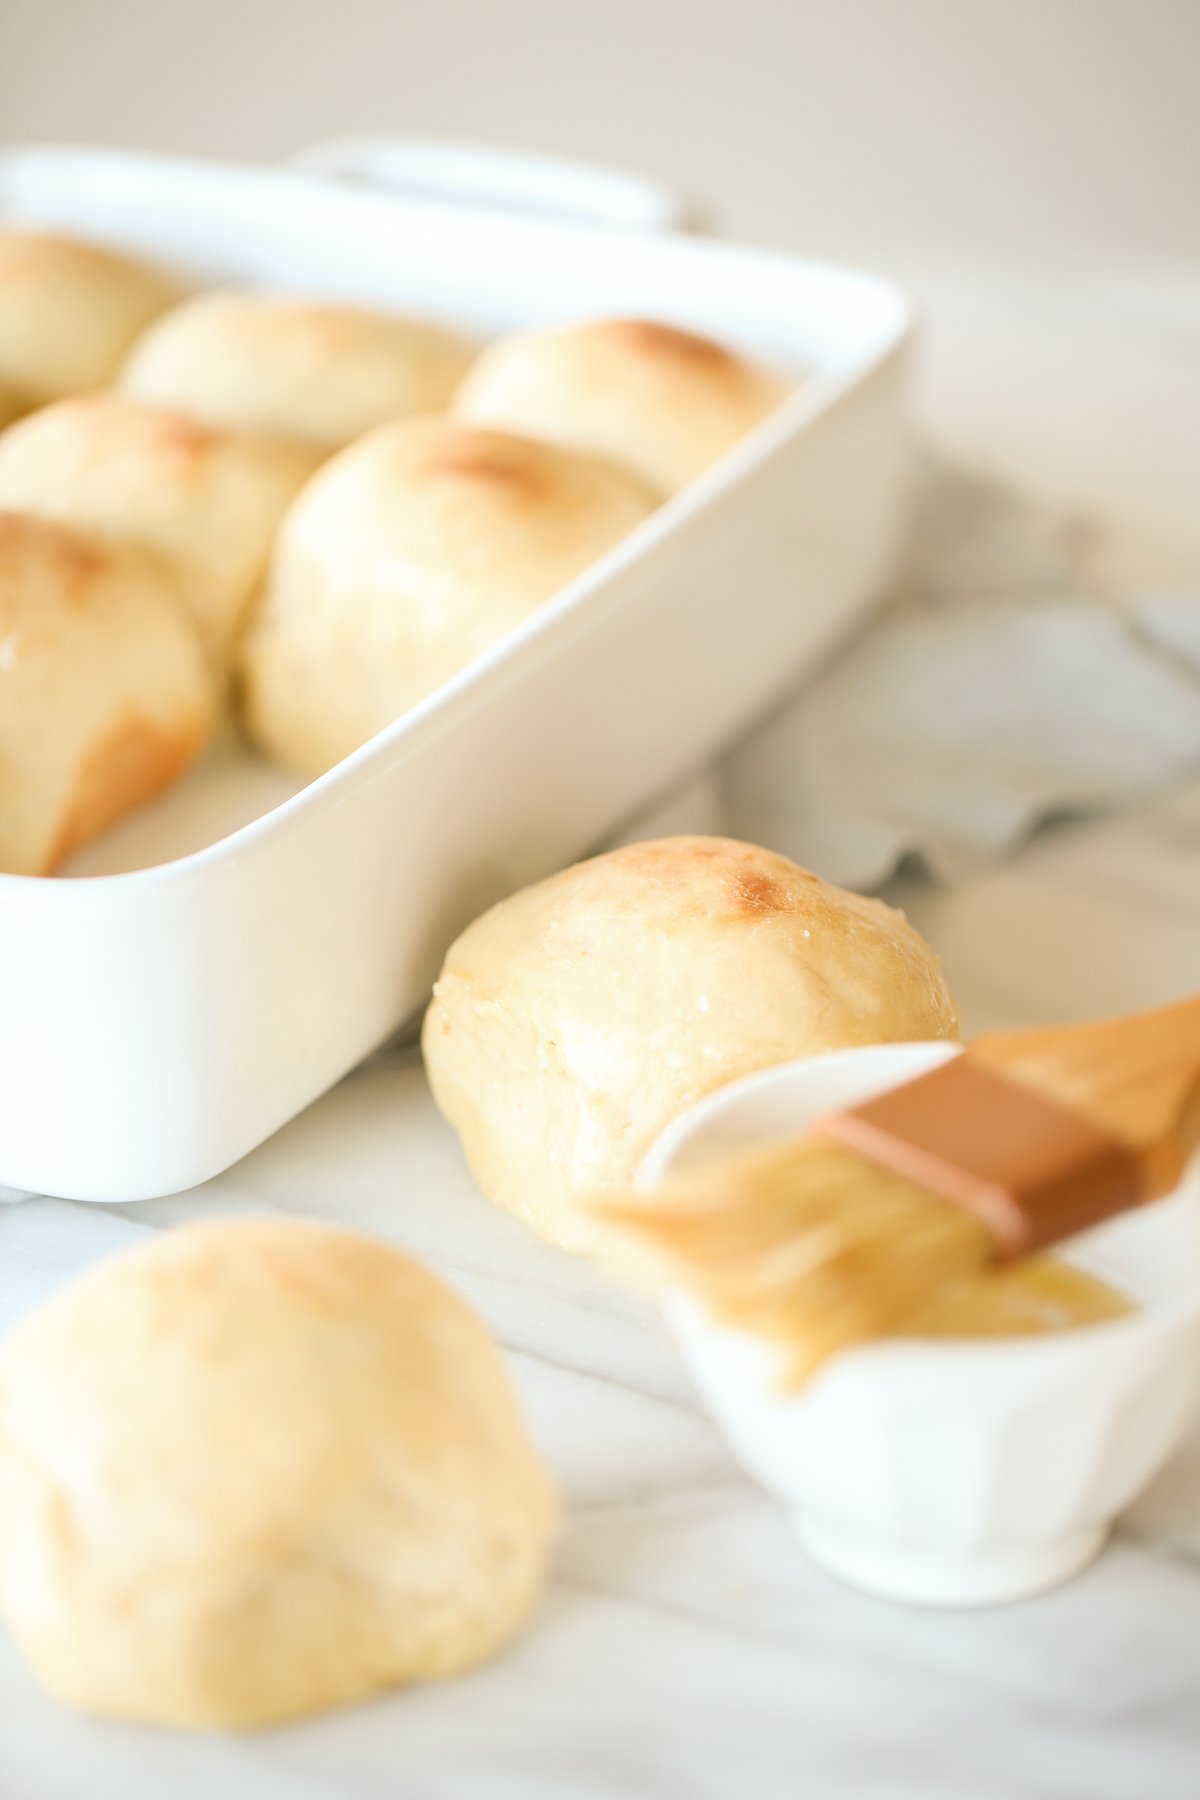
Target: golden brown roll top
(11,405)
(258,1467)
(105,692)
(205,502)
(69,312)
(573,1022)
(314,370)
(406,556)
(664,402)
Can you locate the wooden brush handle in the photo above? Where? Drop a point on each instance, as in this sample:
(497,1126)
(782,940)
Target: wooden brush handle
(1137,1077)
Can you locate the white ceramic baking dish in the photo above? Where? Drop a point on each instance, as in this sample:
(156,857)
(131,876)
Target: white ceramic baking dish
(225,957)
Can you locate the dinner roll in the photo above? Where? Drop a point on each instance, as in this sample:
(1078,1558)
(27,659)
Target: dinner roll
(259,1467)
(406,556)
(105,693)
(69,311)
(574,1021)
(663,402)
(206,502)
(299,368)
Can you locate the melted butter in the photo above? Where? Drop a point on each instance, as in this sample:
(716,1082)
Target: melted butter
(1040,1295)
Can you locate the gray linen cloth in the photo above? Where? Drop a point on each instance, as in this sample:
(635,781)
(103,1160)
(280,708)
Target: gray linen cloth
(996,688)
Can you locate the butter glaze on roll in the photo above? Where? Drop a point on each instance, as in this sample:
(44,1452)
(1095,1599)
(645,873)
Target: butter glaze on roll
(69,312)
(105,694)
(573,1022)
(405,557)
(664,402)
(258,1467)
(300,368)
(206,502)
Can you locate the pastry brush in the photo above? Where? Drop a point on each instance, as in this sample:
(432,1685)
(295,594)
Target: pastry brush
(842,1235)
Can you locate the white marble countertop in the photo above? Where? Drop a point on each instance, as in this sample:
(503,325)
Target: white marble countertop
(687,1649)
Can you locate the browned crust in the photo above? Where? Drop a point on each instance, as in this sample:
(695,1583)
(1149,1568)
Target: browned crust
(80,560)
(486,457)
(742,873)
(137,760)
(184,441)
(172,436)
(651,338)
(754,891)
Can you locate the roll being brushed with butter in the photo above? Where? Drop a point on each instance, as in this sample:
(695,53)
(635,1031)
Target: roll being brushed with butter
(573,1022)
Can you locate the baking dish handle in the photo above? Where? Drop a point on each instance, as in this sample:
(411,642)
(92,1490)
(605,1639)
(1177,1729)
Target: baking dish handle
(510,180)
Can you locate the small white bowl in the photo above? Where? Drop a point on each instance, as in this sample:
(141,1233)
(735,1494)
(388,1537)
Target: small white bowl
(952,1473)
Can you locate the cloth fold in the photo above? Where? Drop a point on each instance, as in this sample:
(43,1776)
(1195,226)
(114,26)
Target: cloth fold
(997,687)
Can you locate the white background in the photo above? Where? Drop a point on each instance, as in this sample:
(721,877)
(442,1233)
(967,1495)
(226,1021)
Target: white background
(994,130)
